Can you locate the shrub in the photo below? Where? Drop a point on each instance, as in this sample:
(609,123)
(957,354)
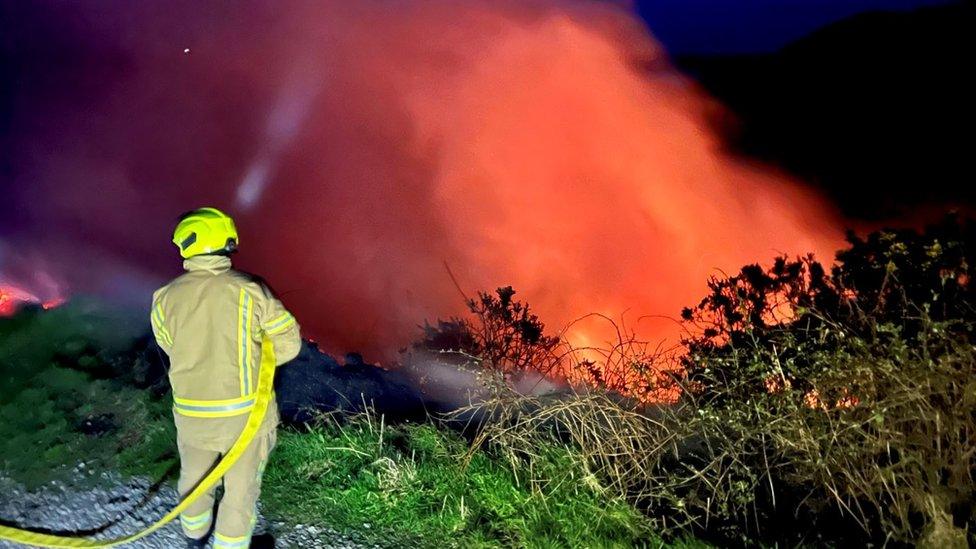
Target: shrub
(503,334)
(813,404)
(853,388)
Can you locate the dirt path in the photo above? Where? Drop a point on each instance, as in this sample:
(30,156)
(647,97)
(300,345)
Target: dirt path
(126,507)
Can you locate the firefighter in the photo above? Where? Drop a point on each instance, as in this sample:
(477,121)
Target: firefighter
(210,322)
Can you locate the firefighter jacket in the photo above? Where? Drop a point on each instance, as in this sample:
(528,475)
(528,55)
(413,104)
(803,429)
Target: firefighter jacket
(210,322)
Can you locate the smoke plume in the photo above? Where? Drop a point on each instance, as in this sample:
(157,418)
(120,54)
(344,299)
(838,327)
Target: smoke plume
(547,145)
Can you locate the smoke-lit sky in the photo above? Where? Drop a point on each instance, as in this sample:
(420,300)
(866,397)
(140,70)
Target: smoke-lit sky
(544,144)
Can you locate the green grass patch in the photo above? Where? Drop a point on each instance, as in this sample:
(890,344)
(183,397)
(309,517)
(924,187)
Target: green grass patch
(66,396)
(409,484)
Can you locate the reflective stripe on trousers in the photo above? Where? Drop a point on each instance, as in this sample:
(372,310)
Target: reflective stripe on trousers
(225,542)
(196,522)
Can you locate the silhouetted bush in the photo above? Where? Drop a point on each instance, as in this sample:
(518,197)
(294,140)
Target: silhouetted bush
(502,335)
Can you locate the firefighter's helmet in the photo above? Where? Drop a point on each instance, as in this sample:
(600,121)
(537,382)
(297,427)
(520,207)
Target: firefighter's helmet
(205,231)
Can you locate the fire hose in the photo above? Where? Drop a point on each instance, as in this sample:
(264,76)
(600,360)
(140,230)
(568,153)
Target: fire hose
(254,420)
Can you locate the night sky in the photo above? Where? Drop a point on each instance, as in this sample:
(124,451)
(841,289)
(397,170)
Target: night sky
(749,26)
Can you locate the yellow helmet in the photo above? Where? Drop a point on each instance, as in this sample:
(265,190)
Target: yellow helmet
(205,231)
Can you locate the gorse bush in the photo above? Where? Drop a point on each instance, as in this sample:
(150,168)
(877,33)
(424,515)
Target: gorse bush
(814,404)
(502,334)
(854,388)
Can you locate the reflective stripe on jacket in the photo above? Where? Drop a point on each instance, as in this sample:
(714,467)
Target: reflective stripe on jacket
(209,321)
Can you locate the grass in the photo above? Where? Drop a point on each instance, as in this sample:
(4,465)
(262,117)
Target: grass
(68,395)
(410,485)
(61,401)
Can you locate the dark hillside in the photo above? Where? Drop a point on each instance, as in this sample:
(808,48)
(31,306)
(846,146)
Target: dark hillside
(877,109)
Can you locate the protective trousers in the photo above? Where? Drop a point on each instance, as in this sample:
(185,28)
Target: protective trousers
(237,510)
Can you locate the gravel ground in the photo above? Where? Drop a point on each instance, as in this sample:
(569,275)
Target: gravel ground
(127,506)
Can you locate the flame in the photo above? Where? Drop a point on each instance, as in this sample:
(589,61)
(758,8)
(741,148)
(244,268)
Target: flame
(53,303)
(12,297)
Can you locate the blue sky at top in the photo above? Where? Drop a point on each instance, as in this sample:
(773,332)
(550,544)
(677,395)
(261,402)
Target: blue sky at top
(745,26)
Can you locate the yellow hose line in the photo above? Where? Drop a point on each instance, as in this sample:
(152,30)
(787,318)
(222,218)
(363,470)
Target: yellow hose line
(254,420)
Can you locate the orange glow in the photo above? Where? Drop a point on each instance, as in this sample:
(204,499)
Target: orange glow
(12,297)
(52,303)
(812,400)
(776,383)
(780,312)
(548,146)
(847,400)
